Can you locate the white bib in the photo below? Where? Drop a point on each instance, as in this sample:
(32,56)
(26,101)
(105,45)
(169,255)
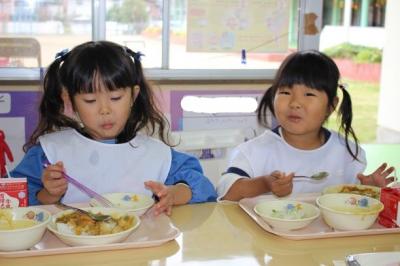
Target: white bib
(107,168)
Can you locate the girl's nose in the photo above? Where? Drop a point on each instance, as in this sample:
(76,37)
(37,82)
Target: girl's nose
(295,103)
(105,109)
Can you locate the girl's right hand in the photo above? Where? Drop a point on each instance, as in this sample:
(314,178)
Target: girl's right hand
(53,180)
(279,183)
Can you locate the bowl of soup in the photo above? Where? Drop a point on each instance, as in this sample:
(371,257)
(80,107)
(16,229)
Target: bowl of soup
(22,227)
(287,215)
(77,229)
(347,212)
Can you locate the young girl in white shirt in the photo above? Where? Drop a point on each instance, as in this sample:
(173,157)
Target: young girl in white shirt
(301,98)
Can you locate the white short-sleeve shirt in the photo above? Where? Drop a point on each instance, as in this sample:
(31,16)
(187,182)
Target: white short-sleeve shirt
(270,152)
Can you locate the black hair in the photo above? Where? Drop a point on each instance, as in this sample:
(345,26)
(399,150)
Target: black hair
(315,70)
(82,70)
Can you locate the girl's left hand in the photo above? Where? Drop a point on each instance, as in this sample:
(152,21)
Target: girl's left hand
(379,177)
(165,196)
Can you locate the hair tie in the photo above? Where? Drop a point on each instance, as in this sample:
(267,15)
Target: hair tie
(62,54)
(343,86)
(136,55)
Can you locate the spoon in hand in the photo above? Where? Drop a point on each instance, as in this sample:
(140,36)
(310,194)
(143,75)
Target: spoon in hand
(316,177)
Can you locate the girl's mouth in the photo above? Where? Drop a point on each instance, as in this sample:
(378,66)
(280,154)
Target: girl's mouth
(294,118)
(107,125)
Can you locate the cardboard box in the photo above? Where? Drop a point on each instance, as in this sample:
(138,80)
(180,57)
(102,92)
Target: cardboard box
(390,216)
(13,192)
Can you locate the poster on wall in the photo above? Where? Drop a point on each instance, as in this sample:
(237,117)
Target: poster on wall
(230,26)
(18,119)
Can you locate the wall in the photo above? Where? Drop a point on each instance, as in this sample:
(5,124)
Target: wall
(388,113)
(19,121)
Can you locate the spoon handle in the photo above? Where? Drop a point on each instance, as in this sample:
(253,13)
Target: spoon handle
(102,200)
(301,176)
(95,217)
(67,207)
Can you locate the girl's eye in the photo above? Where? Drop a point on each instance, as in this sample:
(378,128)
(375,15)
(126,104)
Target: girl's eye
(117,95)
(310,94)
(116,98)
(89,100)
(284,92)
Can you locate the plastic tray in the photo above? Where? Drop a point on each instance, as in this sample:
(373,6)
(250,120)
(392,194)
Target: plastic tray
(153,231)
(317,229)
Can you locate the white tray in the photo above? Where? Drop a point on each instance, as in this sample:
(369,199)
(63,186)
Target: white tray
(153,231)
(317,229)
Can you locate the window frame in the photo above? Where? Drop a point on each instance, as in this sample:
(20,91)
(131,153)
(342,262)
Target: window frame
(166,74)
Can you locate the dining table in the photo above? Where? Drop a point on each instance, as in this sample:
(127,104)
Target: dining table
(222,234)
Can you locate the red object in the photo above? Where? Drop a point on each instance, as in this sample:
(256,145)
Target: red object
(390,216)
(4,152)
(13,192)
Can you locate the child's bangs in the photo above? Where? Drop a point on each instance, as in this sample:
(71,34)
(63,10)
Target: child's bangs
(95,81)
(101,72)
(310,71)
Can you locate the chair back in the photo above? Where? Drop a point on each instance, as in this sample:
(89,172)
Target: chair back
(20,47)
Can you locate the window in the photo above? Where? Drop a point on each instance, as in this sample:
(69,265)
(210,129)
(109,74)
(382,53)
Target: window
(53,24)
(333,12)
(180,38)
(368,13)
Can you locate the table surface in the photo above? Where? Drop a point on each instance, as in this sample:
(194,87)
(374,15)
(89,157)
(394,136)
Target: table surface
(223,234)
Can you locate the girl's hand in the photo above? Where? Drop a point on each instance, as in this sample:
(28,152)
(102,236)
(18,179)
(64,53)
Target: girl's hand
(165,196)
(379,177)
(53,180)
(279,183)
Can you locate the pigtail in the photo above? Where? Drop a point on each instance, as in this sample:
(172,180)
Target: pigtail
(266,103)
(145,114)
(51,108)
(346,113)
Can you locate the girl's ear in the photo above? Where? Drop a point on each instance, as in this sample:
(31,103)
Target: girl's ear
(68,109)
(332,108)
(136,90)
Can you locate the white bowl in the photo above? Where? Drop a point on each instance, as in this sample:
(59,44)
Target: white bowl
(370,191)
(344,211)
(65,234)
(23,238)
(287,214)
(132,202)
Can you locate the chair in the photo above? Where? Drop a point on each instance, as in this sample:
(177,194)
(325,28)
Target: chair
(20,47)
(212,147)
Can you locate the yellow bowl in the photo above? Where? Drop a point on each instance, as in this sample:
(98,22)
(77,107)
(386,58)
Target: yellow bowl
(22,227)
(287,214)
(344,211)
(369,191)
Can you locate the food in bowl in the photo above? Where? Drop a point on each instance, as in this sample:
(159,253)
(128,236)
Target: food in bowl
(343,211)
(22,227)
(132,202)
(287,214)
(81,224)
(370,191)
(8,223)
(75,229)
